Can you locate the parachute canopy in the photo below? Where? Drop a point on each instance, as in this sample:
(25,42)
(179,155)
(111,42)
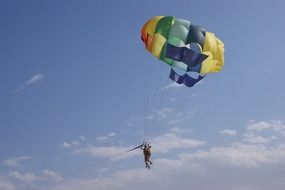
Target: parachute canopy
(185,46)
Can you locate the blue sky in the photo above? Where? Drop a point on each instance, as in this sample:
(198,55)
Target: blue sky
(77,89)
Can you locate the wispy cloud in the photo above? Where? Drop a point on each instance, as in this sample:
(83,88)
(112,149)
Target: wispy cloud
(238,167)
(173,85)
(229,132)
(179,130)
(166,117)
(170,141)
(256,130)
(73,143)
(30,178)
(256,139)
(171,116)
(110,152)
(37,77)
(241,155)
(259,126)
(162,144)
(6,184)
(180,117)
(106,137)
(34,79)
(65,145)
(250,161)
(26,177)
(51,175)
(15,162)
(163,113)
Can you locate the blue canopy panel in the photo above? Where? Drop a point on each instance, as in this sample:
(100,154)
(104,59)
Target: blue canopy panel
(184,79)
(185,55)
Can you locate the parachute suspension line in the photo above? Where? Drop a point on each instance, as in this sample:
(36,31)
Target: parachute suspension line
(147,99)
(144,102)
(43,184)
(150,93)
(155,98)
(164,96)
(152,97)
(146,87)
(156,122)
(158,99)
(154,92)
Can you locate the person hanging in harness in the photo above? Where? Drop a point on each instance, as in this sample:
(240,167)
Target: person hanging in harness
(147,154)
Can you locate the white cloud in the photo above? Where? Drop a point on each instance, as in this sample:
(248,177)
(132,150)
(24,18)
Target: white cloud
(237,167)
(240,155)
(37,77)
(15,162)
(256,139)
(179,130)
(26,177)
(109,152)
(229,132)
(176,118)
(161,144)
(107,137)
(173,85)
(73,143)
(166,117)
(34,79)
(6,184)
(52,175)
(112,134)
(31,178)
(255,131)
(131,121)
(171,141)
(163,113)
(65,145)
(259,126)
(171,116)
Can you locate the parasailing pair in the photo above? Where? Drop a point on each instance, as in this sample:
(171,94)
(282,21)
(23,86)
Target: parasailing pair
(183,46)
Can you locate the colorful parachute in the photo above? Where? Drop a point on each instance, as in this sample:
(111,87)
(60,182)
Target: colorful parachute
(182,45)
